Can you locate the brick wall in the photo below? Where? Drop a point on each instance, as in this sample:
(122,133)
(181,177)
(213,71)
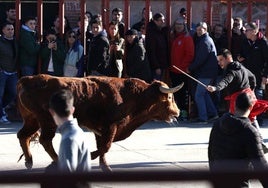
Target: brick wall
(72,11)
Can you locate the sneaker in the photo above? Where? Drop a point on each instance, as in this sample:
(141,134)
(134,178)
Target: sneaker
(4,120)
(213,118)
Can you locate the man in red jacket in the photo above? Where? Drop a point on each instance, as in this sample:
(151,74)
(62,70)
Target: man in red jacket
(182,54)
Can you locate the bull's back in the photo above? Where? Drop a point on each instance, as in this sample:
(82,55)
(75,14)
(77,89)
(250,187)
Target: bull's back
(34,92)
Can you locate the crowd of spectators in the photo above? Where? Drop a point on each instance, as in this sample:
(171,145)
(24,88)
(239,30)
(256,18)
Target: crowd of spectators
(143,51)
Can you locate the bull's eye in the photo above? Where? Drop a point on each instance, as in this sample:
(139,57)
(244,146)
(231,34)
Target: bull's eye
(169,96)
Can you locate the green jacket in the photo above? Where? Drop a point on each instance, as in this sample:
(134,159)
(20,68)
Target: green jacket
(58,57)
(28,48)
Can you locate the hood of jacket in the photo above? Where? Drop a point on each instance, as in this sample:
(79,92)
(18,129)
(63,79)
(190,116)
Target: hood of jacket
(234,66)
(230,124)
(103,33)
(26,28)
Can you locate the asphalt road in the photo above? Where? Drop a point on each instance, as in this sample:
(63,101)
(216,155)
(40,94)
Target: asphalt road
(155,145)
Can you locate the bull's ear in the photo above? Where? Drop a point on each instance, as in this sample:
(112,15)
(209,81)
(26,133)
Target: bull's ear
(170,90)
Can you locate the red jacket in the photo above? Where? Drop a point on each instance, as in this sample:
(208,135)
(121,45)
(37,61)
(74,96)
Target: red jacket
(182,52)
(259,106)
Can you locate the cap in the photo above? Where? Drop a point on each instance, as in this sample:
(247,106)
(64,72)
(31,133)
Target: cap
(131,32)
(183,10)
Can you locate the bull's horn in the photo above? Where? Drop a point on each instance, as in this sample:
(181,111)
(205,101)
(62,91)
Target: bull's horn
(171,90)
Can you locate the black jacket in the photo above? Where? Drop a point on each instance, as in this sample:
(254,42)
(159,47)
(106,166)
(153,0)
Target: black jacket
(8,55)
(137,65)
(99,54)
(236,78)
(234,143)
(157,47)
(256,57)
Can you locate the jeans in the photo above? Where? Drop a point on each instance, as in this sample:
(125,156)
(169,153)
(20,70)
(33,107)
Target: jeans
(28,71)
(204,104)
(157,76)
(259,95)
(181,96)
(8,90)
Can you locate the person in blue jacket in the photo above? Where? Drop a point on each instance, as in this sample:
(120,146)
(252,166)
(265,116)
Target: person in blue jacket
(204,68)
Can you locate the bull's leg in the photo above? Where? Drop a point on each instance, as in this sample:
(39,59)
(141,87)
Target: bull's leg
(104,143)
(45,139)
(24,135)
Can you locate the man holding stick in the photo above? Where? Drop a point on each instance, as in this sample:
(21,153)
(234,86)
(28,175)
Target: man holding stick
(238,79)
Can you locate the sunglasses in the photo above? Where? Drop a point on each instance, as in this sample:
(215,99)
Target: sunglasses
(72,36)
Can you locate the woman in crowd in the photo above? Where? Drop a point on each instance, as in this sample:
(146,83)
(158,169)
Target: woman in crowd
(56,26)
(74,60)
(136,63)
(116,50)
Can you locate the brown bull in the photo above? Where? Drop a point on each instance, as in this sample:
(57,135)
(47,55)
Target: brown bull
(110,107)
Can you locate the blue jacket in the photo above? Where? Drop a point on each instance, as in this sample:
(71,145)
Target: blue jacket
(205,64)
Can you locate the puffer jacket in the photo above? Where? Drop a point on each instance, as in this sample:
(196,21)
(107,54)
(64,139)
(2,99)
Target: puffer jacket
(234,139)
(205,64)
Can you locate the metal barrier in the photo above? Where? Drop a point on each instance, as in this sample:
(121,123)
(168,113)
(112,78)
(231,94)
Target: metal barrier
(225,177)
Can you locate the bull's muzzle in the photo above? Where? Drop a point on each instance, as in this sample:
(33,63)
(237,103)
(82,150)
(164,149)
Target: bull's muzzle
(170,90)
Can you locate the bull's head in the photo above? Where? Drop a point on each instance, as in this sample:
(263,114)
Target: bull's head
(165,107)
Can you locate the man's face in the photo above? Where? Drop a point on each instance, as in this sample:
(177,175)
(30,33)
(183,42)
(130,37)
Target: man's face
(8,31)
(222,61)
(130,38)
(250,33)
(160,22)
(184,14)
(11,14)
(237,24)
(57,23)
(117,16)
(96,28)
(200,31)
(31,24)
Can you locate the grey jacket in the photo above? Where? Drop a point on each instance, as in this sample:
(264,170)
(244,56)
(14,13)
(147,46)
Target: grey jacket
(74,153)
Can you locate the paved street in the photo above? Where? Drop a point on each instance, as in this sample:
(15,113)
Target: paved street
(155,145)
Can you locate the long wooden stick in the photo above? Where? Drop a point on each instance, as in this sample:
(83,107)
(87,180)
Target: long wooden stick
(189,76)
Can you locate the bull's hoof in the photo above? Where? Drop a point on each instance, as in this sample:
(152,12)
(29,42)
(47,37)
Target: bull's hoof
(94,155)
(106,168)
(29,164)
